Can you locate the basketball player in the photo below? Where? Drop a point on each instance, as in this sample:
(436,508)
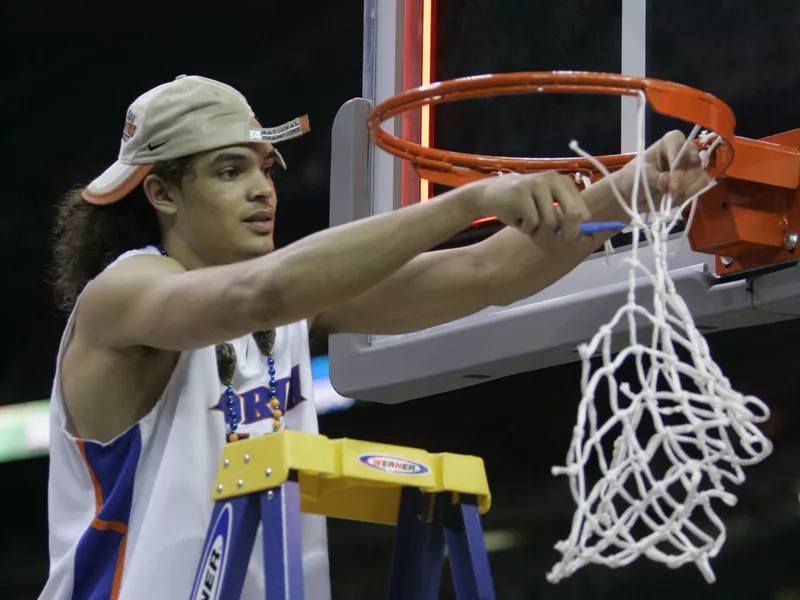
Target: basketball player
(187,329)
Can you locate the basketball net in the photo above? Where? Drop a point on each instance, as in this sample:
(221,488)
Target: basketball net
(646,479)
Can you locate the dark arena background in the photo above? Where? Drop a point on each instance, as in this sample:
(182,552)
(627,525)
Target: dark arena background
(71,69)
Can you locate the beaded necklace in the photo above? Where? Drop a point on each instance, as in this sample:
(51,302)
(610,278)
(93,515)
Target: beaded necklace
(226,369)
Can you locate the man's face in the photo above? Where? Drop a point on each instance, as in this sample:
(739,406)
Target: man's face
(226,210)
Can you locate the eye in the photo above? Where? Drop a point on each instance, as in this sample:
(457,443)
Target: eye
(229,174)
(267,169)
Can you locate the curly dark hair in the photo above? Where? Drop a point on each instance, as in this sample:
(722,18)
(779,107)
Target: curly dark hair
(89,237)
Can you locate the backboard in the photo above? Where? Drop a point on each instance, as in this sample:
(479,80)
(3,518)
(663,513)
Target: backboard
(735,51)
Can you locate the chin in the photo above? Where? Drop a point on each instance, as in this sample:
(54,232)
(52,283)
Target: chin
(260,247)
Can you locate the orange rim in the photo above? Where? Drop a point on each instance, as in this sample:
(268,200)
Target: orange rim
(453,168)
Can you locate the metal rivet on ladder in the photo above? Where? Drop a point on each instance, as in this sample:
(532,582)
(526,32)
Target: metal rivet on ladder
(246,458)
(226,463)
(269,472)
(239,483)
(219,488)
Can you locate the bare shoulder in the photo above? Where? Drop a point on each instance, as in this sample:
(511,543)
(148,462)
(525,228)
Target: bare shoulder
(108,386)
(106,300)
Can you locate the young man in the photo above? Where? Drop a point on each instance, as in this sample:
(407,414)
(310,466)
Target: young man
(187,330)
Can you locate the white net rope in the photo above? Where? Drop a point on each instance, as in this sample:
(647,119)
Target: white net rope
(651,458)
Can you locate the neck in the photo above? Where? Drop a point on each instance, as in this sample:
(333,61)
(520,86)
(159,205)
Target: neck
(178,250)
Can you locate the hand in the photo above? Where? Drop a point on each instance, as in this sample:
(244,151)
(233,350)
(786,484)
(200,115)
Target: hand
(544,206)
(686,179)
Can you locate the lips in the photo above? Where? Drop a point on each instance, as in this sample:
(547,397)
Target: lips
(261,222)
(261,216)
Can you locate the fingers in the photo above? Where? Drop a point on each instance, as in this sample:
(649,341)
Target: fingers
(691,158)
(694,181)
(527,218)
(559,205)
(669,147)
(679,167)
(571,206)
(541,194)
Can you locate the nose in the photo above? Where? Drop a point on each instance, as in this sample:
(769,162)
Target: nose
(262,189)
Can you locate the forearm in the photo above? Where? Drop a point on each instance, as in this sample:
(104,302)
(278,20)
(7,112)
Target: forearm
(519,267)
(337,264)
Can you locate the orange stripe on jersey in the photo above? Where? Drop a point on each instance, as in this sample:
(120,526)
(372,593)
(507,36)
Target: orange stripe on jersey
(117,526)
(119,568)
(98,491)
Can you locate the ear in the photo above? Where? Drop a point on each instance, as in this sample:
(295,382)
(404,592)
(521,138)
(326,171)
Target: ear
(160,194)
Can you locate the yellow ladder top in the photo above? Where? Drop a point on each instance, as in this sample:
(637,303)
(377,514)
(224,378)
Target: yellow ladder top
(344,478)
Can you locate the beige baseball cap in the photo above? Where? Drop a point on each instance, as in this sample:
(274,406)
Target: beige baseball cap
(182,117)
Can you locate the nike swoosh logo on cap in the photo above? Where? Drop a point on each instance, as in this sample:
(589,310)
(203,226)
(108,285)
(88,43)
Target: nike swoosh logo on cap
(152,147)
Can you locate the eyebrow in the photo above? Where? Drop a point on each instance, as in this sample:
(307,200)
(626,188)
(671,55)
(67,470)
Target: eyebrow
(237,157)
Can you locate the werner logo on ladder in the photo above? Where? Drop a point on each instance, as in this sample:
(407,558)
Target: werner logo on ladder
(207,585)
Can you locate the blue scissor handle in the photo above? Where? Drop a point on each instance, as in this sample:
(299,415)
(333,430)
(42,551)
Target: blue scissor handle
(601,226)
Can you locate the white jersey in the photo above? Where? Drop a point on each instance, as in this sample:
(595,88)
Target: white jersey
(128,518)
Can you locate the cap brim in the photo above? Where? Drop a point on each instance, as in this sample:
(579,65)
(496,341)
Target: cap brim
(115,183)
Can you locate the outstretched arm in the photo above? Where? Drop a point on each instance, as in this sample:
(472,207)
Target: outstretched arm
(439,287)
(442,286)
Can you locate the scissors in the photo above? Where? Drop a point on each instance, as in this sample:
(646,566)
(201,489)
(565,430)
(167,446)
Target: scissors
(601,226)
